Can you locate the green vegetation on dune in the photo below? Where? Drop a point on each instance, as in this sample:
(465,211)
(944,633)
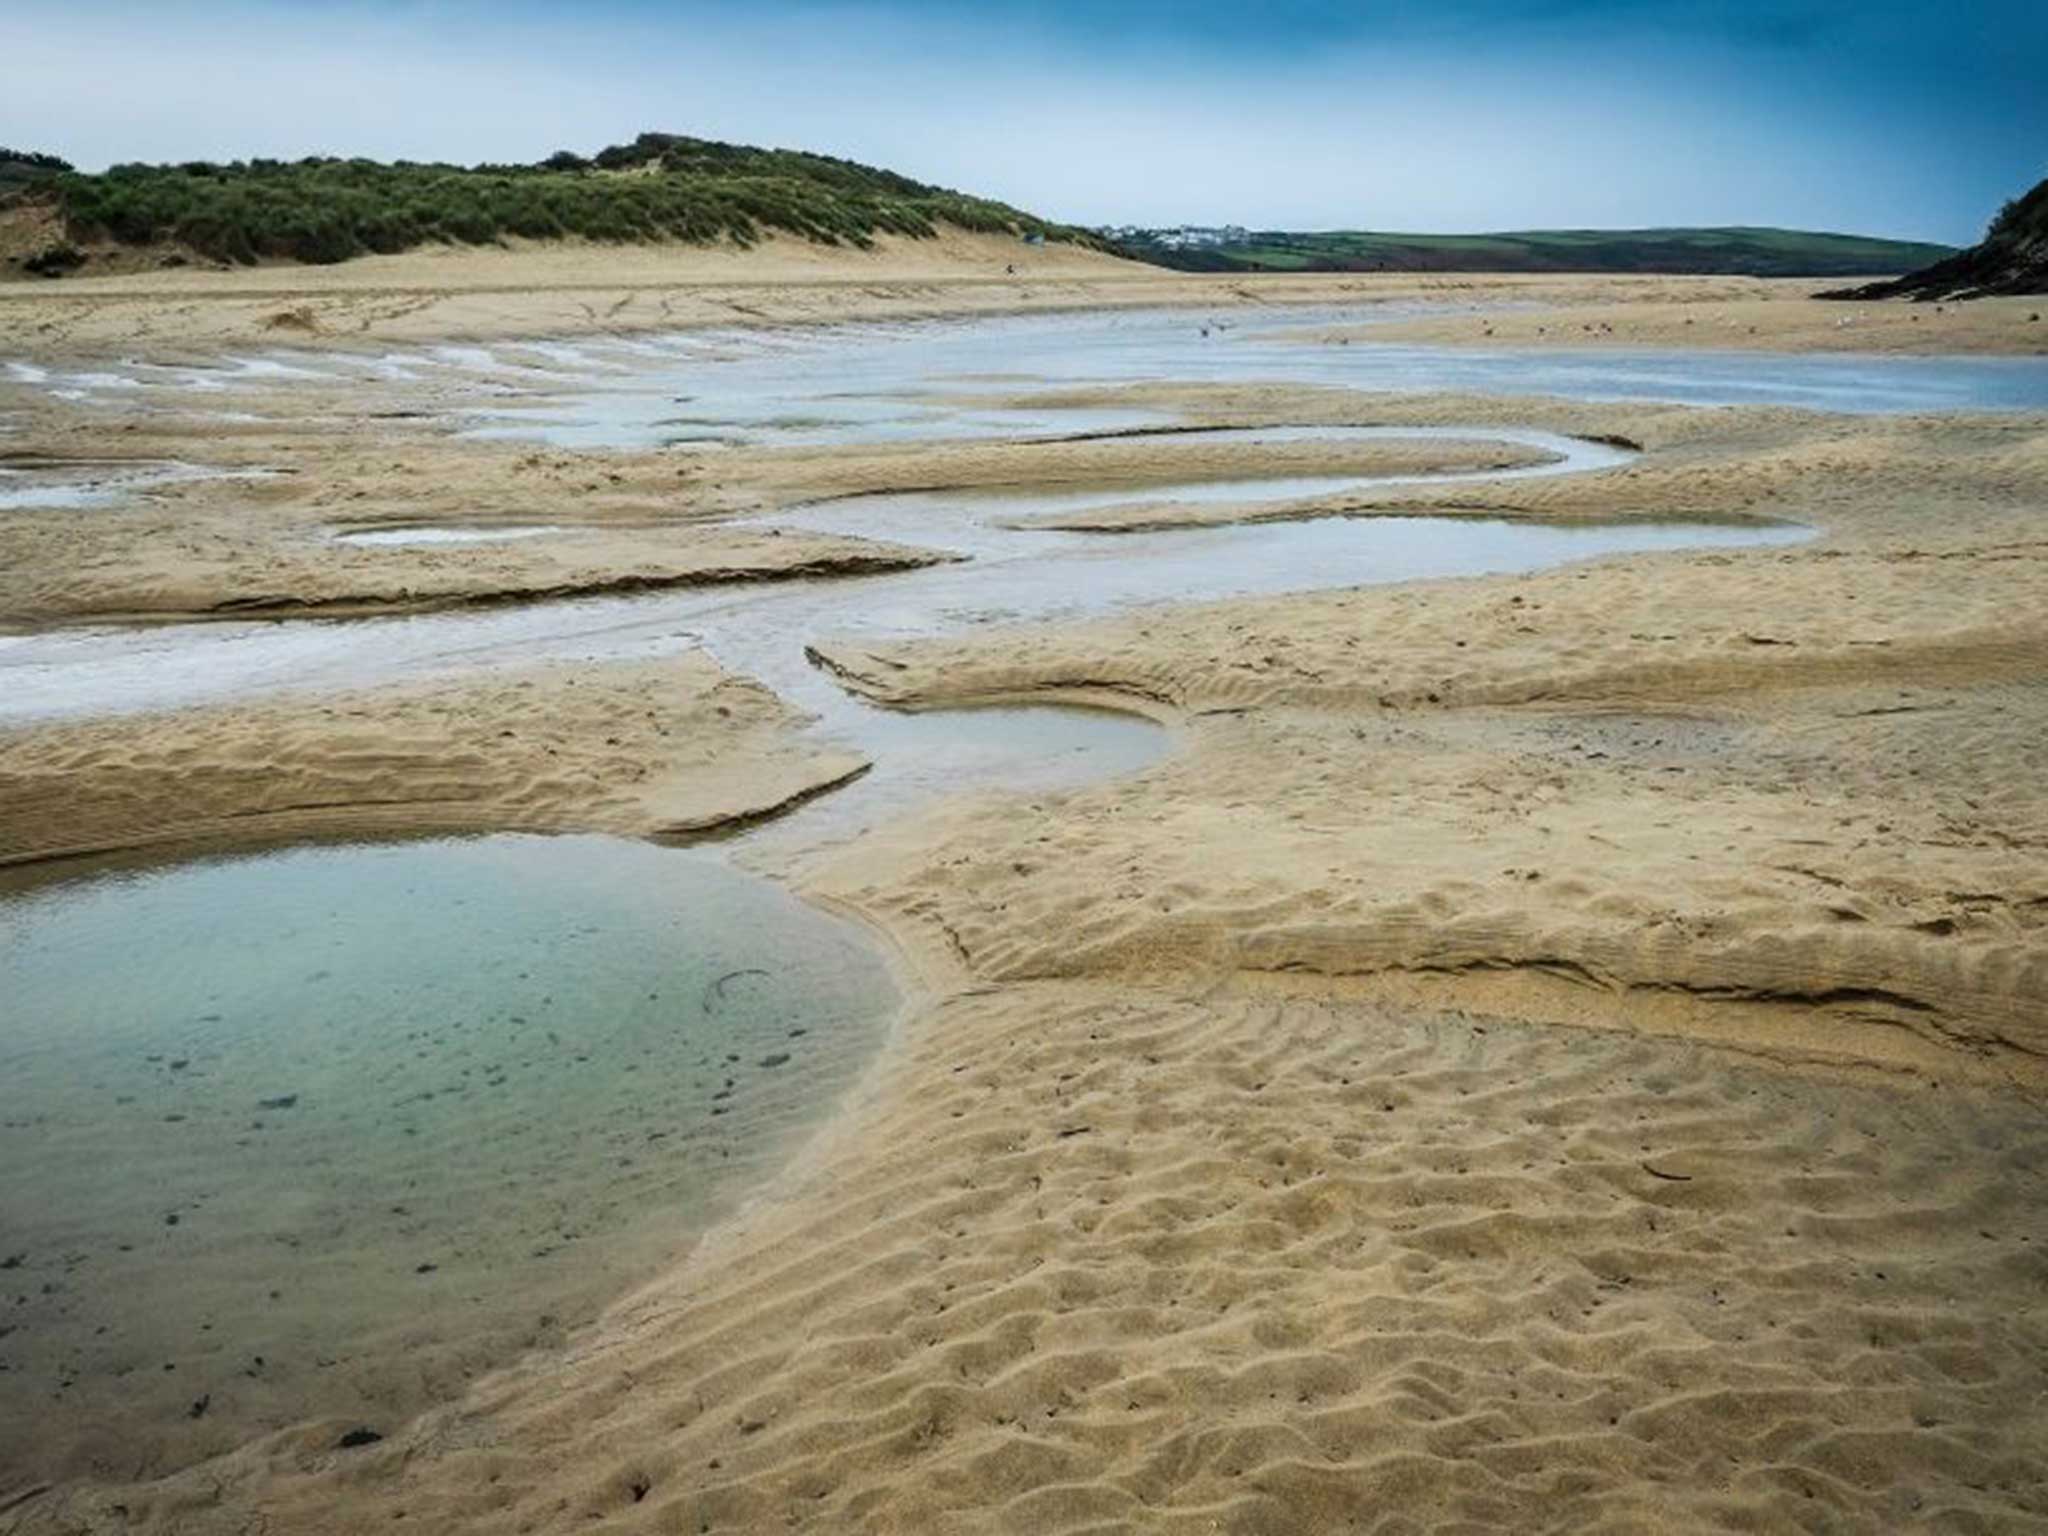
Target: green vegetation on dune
(1730,251)
(660,187)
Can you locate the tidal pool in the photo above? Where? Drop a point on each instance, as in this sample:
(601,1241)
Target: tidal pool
(403,537)
(57,485)
(324,1133)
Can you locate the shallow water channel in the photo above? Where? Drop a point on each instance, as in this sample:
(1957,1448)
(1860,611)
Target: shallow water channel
(1005,573)
(59,485)
(326,1131)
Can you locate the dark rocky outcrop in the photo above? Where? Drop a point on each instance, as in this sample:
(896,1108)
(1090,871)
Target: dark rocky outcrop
(2013,258)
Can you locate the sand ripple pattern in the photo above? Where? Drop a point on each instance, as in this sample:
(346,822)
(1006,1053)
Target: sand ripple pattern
(1118,1261)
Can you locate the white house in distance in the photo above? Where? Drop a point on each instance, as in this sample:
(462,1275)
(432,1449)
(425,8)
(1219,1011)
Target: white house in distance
(1187,237)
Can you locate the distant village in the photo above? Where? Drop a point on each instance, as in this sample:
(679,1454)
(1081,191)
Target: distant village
(1188,237)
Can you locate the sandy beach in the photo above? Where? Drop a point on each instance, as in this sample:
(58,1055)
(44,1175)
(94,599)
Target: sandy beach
(1760,315)
(464,294)
(1560,1050)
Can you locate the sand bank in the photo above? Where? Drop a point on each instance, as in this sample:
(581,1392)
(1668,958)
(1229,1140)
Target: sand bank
(569,291)
(443,294)
(668,748)
(1235,1169)
(1774,315)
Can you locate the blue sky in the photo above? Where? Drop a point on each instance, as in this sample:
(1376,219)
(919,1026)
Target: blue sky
(1881,117)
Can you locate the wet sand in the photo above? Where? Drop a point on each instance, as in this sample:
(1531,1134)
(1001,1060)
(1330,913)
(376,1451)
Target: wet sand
(1559,1050)
(622,522)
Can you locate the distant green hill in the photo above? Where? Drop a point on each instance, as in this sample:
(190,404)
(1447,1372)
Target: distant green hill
(660,187)
(1738,251)
(2011,258)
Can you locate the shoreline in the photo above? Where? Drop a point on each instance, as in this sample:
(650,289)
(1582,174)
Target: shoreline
(572,292)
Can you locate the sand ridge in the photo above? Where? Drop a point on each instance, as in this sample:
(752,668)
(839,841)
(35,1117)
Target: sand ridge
(228,547)
(672,748)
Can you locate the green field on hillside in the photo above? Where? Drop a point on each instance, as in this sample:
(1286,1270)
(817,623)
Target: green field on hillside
(1748,252)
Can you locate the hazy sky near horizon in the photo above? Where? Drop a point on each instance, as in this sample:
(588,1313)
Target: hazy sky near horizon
(1879,117)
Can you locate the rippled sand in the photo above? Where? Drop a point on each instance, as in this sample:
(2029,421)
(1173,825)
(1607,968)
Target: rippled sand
(1092,1258)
